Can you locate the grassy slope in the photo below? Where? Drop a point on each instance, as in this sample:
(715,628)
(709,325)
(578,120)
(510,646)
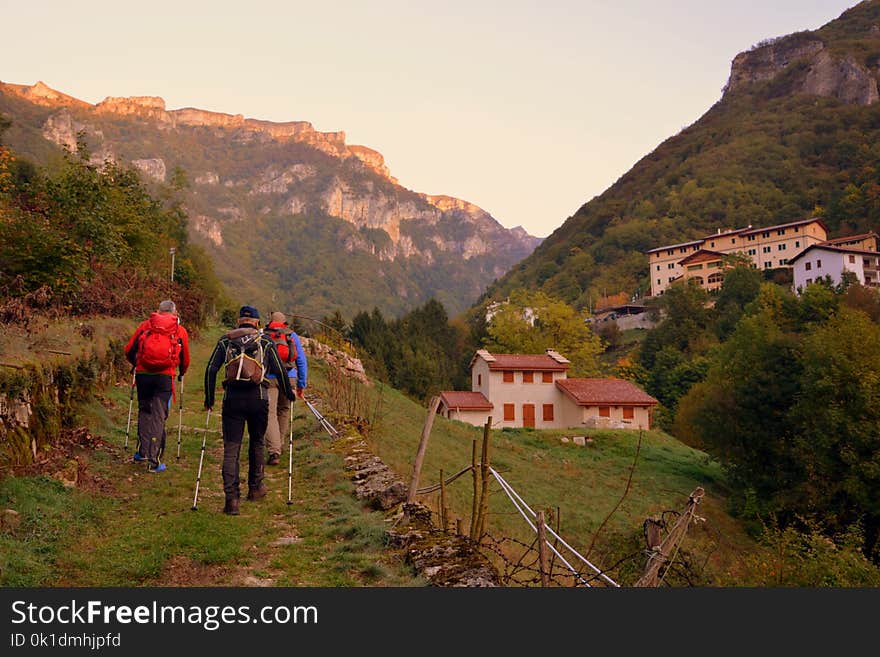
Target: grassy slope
(140,530)
(584,483)
(144,533)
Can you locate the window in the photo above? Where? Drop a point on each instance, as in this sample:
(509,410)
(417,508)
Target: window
(670,252)
(658,281)
(548,412)
(767,234)
(717,277)
(604,411)
(852,259)
(818,264)
(733,240)
(628,413)
(508,377)
(694,267)
(767,265)
(528,377)
(797,244)
(479,379)
(766,249)
(797,229)
(868,262)
(547,377)
(752,252)
(671,278)
(698,279)
(658,267)
(781,247)
(712,245)
(509,413)
(715,264)
(671,265)
(781,231)
(809,280)
(783,261)
(808,266)
(682,250)
(752,238)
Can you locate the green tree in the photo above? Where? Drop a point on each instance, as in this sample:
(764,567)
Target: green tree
(532,322)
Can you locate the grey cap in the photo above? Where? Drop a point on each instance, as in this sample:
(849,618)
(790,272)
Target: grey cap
(167,306)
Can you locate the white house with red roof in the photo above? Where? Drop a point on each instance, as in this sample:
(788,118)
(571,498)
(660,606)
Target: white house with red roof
(821,260)
(533,390)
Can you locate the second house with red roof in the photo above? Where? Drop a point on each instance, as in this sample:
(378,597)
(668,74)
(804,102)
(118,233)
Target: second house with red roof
(533,390)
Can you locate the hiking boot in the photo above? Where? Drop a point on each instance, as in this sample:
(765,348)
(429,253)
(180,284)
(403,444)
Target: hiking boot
(274,459)
(255,494)
(158,468)
(137,458)
(231,507)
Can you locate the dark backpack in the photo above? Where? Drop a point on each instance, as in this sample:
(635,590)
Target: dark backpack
(159,348)
(244,360)
(284,344)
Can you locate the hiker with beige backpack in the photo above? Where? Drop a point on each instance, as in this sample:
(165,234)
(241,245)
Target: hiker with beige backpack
(246,356)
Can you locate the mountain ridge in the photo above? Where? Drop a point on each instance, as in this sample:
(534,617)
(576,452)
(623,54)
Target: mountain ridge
(273,174)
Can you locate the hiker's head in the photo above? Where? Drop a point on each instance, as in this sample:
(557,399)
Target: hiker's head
(278,317)
(248,316)
(168,307)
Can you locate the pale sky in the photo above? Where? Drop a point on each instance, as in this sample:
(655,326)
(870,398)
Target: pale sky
(527,109)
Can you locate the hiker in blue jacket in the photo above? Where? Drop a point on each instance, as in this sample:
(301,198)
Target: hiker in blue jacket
(290,350)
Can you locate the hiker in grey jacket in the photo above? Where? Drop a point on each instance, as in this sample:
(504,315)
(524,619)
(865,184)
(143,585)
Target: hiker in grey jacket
(248,356)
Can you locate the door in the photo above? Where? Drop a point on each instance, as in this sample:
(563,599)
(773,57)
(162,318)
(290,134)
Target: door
(529,415)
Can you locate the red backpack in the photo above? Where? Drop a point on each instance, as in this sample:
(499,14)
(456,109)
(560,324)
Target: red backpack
(283,343)
(159,348)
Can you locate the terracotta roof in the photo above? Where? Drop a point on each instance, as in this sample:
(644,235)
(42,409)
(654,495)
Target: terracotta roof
(466,401)
(533,362)
(851,238)
(701,256)
(611,392)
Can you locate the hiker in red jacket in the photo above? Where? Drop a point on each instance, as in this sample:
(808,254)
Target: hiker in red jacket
(159,346)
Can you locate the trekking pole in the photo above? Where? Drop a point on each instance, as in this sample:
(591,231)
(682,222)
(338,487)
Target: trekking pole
(179,418)
(290,460)
(329,428)
(201,460)
(130,405)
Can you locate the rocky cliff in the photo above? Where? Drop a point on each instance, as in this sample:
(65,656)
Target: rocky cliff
(811,66)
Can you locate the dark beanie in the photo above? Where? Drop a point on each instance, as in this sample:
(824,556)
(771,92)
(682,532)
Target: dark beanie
(249,311)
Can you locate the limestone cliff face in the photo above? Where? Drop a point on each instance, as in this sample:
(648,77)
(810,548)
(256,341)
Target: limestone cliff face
(354,185)
(819,72)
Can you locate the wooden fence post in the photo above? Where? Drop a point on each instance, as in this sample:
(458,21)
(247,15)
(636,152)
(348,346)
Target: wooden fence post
(443,511)
(423,446)
(661,554)
(473,529)
(484,492)
(543,559)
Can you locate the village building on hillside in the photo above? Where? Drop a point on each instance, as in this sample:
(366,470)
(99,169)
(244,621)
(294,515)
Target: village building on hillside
(773,247)
(533,390)
(769,248)
(821,260)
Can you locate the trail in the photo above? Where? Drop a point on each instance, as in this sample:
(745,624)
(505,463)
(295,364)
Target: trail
(140,530)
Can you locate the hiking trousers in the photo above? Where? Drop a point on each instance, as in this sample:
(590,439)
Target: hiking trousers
(154,402)
(240,411)
(279,416)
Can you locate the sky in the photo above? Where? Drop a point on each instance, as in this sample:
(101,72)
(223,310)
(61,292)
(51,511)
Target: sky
(527,109)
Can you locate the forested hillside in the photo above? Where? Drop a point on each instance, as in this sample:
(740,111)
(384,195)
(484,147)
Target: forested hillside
(795,135)
(77,239)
